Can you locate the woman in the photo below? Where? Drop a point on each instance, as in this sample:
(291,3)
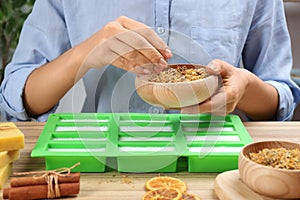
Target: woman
(64,41)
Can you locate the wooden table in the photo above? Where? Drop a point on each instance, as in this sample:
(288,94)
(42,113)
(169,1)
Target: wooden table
(114,185)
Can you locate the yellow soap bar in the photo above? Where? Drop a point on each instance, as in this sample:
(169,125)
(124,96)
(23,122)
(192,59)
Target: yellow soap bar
(11,138)
(7,157)
(4,174)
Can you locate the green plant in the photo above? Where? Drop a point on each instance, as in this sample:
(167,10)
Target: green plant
(12,16)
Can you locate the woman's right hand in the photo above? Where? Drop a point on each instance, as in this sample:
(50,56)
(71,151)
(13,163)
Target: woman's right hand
(126,44)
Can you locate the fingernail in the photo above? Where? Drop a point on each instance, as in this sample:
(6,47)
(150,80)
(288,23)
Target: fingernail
(213,67)
(168,53)
(163,62)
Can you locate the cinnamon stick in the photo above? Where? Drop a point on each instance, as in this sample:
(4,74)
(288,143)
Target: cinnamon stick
(28,181)
(39,191)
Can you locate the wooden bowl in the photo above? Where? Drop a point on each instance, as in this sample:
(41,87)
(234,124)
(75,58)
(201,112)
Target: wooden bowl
(179,94)
(266,180)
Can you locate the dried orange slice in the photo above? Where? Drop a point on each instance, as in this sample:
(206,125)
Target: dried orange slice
(166,182)
(187,196)
(163,194)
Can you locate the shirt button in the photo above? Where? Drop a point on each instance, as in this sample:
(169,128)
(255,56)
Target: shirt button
(160,30)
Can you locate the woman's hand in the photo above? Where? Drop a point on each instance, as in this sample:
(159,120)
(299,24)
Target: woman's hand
(240,89)
(126,44)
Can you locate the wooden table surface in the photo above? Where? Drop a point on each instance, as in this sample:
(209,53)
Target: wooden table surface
(115,185)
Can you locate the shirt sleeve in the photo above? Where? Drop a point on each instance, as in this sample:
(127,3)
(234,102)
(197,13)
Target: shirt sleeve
(267,53)
(43,38)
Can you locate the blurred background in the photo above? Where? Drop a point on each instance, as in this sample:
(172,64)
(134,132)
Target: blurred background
(12,16)
(14,12)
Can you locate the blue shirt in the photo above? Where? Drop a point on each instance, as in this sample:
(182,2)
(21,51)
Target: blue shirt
(250,33)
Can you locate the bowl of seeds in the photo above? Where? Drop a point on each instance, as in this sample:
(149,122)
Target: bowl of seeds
(271,168)
(177,86)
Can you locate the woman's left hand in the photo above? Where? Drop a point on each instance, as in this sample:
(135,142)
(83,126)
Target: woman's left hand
(239,89)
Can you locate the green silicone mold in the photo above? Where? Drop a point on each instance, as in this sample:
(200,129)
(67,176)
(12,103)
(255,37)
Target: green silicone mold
(134,142)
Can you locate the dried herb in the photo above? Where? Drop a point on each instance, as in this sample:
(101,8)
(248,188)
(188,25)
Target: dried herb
(277,157)
(179,74)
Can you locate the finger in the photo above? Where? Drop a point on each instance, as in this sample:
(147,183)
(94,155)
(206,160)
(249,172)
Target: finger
(117,26)
(212,68)
(121,62)
(147,69)
(143,62)
(219,66)
(137,42)
(137,59)
(128,64)
(127,52)
(136,48)
(126,57)
(156,42)
(139,70)
(147,33)
(152,68)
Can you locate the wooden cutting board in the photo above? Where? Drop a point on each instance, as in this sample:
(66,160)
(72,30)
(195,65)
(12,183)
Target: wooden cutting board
(229,186)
